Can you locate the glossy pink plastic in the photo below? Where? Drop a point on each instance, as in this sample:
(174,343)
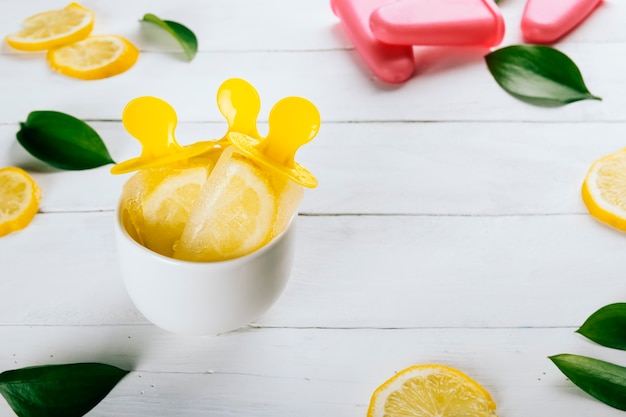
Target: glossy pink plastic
(390,63)
(439,22)
(546,21)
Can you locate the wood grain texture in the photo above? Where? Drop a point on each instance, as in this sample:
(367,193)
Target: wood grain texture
(309,372)
(334,80)
(349,272)
(447,227)
(385,168)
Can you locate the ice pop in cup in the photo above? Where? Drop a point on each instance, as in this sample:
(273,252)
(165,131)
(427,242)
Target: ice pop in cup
(157,198)
(438,22)
(248,197)
(239,103)
(233,256)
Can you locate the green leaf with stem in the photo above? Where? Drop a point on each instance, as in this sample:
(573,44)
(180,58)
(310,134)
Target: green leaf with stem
(607,326)
(185,37)
(538,74)
(62,141)
(68,390)
(602,380)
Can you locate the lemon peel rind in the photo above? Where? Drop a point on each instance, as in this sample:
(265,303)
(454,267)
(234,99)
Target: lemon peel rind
(122,63)
(597,206)
(25,217)
(378,400)
(81,32)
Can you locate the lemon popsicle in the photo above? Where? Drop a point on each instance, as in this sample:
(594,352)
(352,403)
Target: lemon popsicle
(157,199)
(256,185)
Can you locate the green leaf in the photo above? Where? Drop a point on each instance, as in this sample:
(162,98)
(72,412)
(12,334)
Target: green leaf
(69,390)
(185,37)
(538,75)
(62,141)
(607,326)
(602,380)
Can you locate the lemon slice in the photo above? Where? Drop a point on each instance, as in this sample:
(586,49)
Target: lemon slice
(431,391)
(288,197)
(166,209)
(94,58)
(233,216)
(604,190)
(19,199)
(53,28)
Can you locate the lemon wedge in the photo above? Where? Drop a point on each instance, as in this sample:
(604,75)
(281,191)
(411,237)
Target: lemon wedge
(19,199)
(431,391)
(604,190)
(167,208)
(94,58)
(53,28)
(233,216)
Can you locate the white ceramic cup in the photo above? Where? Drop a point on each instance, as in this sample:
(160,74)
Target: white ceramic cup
(204,298)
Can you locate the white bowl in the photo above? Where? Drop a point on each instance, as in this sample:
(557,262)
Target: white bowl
(204,298)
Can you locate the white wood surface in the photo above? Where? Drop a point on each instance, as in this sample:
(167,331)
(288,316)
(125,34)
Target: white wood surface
(448,225)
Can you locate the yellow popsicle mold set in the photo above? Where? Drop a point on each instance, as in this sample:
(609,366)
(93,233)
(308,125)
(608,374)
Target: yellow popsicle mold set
(293,122)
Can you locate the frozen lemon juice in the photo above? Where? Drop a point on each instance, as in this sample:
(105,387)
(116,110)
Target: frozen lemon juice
(216,200)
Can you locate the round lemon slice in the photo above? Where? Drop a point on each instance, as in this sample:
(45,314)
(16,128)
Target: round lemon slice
(94,58)
(53,28)
(431,391)
(233,216)
(604,190)
(19,199)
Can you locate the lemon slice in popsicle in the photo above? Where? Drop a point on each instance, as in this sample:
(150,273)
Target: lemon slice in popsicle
(233,215)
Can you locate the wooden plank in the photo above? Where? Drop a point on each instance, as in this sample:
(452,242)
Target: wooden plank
(416,168)
(294,26)
(384,271)
(335,81)
(309,372)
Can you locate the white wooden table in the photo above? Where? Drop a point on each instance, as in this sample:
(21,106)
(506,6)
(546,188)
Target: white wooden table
(447,227)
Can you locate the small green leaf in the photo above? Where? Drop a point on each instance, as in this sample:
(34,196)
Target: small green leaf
(607,326)
(538,75)
(602,380)
(69,390)
(185,37)
(62,141)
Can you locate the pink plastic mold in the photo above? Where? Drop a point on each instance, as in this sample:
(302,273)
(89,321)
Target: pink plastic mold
(390,63)
(546,21)
(439,22)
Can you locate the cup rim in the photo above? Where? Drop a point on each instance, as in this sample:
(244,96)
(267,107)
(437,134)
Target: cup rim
(119,224)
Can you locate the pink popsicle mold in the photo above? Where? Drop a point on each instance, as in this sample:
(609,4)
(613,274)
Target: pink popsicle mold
(390,63)
(439,22)
(546,21)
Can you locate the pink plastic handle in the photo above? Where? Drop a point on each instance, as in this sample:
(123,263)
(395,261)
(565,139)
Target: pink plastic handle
(439,22)
(390,63)
(546,21)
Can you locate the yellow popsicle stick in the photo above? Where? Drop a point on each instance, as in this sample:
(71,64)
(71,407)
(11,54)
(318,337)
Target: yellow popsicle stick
(152,122)
(239,103)
(293,121)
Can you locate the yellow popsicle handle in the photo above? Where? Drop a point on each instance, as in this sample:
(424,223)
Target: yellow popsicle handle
(240,104)
(152,122)
(293,121)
